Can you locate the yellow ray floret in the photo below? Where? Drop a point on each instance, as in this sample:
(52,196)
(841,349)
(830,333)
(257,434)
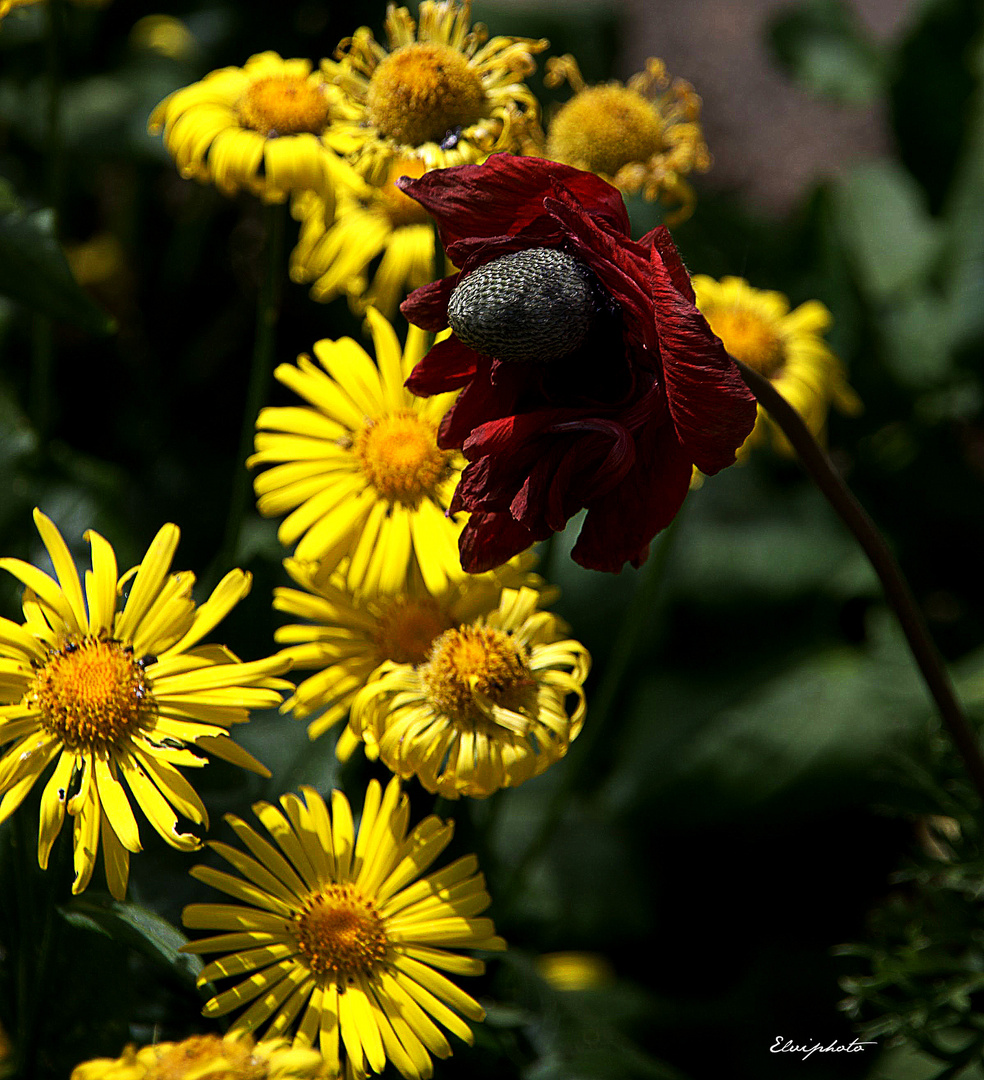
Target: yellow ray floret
(787,347)
(336,934)
(113,693)
(488,708)
(358,470)
(441,93)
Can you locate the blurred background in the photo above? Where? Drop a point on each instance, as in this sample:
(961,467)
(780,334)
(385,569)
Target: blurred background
(766,776)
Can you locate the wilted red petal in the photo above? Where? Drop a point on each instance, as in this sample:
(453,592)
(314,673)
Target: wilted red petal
(660,239)
(619,526)
(427,307)
(712,409)
(479,200)
(447,366)
(489,540)
(492,393)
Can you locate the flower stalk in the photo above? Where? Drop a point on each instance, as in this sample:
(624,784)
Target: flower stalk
(897,591)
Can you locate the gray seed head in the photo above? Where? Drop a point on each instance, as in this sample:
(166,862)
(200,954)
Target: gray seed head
(534,305)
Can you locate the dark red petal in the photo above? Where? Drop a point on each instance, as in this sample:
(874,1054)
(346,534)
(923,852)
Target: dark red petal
(427,307)
(619,526)
(490,395)
(489,540)
(448,366)
(710,406)
(660,239)
(616,460)
(505,194)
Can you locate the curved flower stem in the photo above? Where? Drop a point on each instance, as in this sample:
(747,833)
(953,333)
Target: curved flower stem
(897,590)
(582,753)
(264,351)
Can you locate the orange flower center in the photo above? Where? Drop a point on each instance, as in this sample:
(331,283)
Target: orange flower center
(475,667)
(91,693)
(400,208)
(749,338)
(603,128)
(407,629)
(399,456)
(420,92)
(208,1056)
(340,932)
(284,105)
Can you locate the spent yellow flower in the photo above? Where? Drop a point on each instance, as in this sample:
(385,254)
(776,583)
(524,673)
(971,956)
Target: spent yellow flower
(441,93)
(335,250)
(338,927)
(488,709)
(115,693)
(787,347)
(645,135)
(348,635)
(358,471)
(207,1057)
(257,128)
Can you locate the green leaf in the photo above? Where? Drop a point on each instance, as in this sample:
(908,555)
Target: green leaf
(886,229)
(824,47)
(137,927)
(34,270)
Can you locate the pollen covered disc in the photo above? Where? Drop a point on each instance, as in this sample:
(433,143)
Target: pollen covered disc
(537,304)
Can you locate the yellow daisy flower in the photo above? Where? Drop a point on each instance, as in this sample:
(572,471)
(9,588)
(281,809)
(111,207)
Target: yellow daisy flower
(487,710)
(441,93)
(258,128)
(643,136)
(207,1057)
(757,327)
(360,471)
(340,924)
(335,250)
(348,635)
(110,692)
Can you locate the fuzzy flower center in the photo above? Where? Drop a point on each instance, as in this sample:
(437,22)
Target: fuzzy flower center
(749,338)
(207,1056)
(400,208)
(91,693)
(340,932)
(399,456)
(474,668)
(407,629)
(283,105)
(420,92)
(603,128)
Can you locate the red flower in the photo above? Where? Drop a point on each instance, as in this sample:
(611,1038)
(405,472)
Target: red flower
(608,410)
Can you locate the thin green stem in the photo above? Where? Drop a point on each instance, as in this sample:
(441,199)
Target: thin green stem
(897,591)
(264,352)
(582,754)
(42,332)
